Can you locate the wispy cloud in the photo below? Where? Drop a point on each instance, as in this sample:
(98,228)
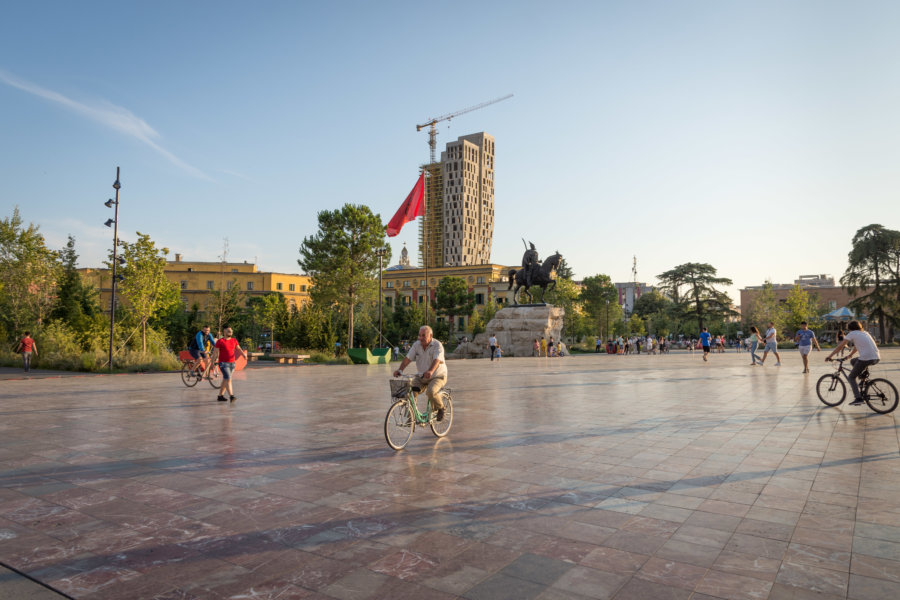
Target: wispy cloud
(107,114)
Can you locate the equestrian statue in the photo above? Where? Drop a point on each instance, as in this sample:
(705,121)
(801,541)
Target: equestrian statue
(533,272)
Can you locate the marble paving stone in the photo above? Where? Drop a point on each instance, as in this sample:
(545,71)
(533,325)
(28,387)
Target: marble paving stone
(136,487)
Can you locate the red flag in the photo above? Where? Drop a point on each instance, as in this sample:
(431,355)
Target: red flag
(412,207)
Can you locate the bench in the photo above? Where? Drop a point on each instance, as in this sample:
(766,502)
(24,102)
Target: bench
(255,355)
(289,358)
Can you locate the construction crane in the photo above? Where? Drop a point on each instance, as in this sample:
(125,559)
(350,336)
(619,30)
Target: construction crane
(432,132)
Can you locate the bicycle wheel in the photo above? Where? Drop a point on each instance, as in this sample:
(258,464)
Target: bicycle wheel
(881,396)
(398,425)
(189,376)
(442,427)
(831,389)
(215,377)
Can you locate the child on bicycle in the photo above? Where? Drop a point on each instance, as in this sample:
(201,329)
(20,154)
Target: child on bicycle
(868,355)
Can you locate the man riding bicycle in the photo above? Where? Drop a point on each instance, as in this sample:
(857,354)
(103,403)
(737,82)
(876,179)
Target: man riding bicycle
(868,355)
(429,356)
(200,347)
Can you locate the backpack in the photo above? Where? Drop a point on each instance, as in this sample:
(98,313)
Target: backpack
(193,345)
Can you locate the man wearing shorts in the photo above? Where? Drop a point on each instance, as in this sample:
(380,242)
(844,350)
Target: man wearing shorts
(428,354)
(225,351)
(704,341)
(804,339)
(200,347)
(771,345)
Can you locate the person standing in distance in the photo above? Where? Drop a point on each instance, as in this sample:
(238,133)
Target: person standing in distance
(868,355)
(224,351)
(771,345)
(493,344)
(27,347)
(428,354)
(804,339)
(704,341)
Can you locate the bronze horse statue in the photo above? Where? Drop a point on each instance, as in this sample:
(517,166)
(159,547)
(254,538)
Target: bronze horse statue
(540,277)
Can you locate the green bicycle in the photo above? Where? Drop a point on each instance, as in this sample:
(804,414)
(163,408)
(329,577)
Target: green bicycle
(403,415)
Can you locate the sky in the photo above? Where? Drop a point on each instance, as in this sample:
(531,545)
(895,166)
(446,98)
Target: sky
(754,136)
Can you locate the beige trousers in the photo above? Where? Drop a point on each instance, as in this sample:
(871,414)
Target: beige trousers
(432,388)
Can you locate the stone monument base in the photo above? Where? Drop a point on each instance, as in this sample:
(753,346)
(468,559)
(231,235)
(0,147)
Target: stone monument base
(516,328)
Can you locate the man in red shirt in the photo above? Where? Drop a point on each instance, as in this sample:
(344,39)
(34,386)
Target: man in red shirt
(224,352)
(27,347)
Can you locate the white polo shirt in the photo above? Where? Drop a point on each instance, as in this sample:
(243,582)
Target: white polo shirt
(424,357)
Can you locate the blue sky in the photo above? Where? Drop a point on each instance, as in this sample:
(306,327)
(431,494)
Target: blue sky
(757,136)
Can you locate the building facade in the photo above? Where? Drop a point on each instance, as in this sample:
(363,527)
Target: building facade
(458,227)
(197,280)
(823,286)
(629,292)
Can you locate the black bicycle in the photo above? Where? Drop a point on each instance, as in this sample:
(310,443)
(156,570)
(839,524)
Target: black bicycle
(879,394)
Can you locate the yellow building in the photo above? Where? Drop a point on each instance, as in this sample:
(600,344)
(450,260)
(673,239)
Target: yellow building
(404,285)
(197,279)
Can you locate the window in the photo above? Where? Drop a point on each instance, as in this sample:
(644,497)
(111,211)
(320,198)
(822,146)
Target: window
(479,298)
(249,286)
(423,283)
(233,270)
(389,284)
(229,285)
(291,287)
(190,269)
(405,284)
(209,285)
(278,286)
(183,284)
(480,279)
(302,288)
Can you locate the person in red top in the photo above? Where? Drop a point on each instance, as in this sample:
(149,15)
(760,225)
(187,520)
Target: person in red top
(224,352)
(27,347)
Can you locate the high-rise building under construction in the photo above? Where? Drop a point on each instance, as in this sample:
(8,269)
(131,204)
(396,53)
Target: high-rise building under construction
(458,227)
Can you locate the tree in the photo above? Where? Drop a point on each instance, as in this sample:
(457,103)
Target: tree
(600,299)
(78,304)
(635,326)
(144,284)
(453,298)
(874,262)
(651,303)
(801,306)
(691,287)
(764,309)
(566,294)
(225,303)
(270,310)
(564,271)
(28,275)
(341,259)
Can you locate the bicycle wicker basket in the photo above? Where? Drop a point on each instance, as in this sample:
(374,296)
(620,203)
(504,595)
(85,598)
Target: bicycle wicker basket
(399,388)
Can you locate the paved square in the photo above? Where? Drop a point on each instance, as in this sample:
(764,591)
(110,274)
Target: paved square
(582,477)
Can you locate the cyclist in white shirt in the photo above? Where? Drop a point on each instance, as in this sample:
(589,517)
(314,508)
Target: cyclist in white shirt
(868,355)
(428,354)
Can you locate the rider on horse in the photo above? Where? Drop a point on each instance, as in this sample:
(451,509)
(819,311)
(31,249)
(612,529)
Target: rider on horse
(529,263)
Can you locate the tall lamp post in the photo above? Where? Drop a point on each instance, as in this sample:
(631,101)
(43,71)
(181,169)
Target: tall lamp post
(380,254)
(607,318)
(114,223)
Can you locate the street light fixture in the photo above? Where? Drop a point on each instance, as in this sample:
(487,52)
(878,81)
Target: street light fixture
(114,223)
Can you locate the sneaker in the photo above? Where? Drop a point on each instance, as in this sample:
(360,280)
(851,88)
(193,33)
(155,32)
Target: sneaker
(778,364)
(233,398)
(221,398)
(704,358)
(857,402)
(440,414)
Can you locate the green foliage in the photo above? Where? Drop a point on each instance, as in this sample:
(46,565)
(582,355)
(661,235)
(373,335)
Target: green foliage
(28,276)
(801,306)
(340,258)
(224,304)
(635,326)
(566,295)
(692,289)
(145,286)
(453,298)
(656,311)
(477,323)
(874,264)
(600,300)
(765,308)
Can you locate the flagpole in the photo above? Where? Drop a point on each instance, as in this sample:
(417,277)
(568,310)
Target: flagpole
(425,248)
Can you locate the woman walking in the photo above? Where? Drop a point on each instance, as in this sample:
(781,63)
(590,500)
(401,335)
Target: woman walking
(754,339)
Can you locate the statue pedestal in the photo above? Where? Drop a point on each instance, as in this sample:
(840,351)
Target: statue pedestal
(516,328)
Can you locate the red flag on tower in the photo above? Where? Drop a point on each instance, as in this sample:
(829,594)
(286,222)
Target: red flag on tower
(412,207)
